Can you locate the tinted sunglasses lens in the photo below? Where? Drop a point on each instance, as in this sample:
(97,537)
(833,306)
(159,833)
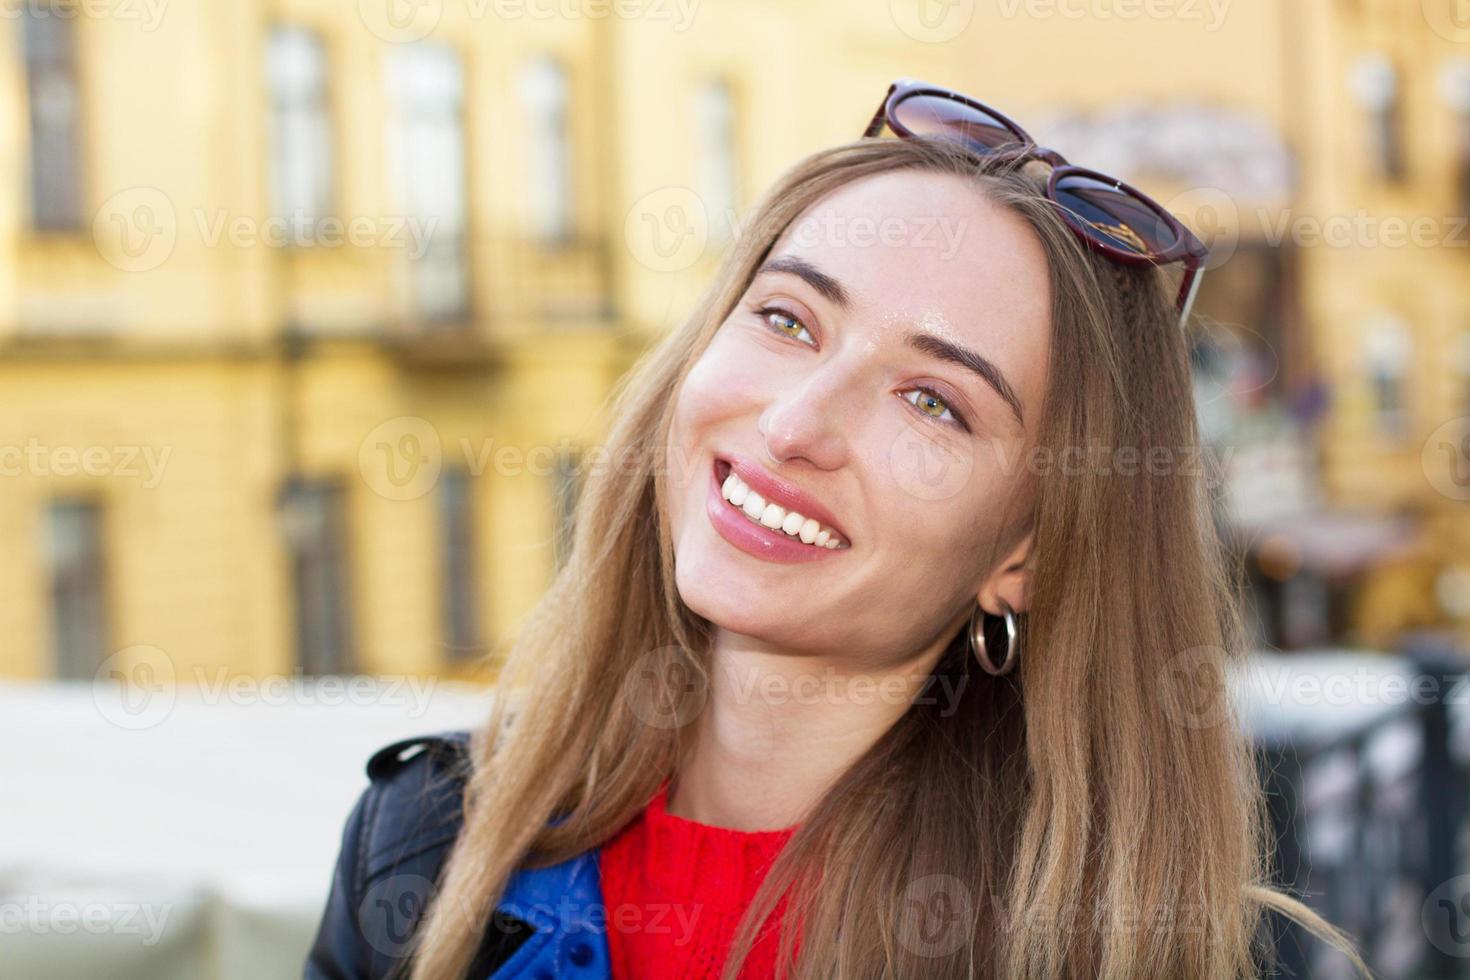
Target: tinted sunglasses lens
(935,115)
(1115,217)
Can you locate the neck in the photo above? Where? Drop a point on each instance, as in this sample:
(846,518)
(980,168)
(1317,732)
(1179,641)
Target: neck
(778,730)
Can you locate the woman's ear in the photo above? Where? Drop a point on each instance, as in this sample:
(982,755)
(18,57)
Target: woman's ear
(1009,586)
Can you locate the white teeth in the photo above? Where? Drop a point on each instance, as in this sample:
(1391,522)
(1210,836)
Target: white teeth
(754,506)
(809,531)
(734,491)
(776,517)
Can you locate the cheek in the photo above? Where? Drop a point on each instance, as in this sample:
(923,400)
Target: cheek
(938,502)
(715,395)
(926,472)
(724,384)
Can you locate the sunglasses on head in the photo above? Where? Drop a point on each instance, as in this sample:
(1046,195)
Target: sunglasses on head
(1119,221)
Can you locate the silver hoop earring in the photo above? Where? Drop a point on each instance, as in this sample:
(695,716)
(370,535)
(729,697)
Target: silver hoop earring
(977,642)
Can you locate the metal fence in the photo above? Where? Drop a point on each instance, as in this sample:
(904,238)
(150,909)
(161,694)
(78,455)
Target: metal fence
(1368,804)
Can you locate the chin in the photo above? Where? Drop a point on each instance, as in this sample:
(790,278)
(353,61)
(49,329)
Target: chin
(711,590)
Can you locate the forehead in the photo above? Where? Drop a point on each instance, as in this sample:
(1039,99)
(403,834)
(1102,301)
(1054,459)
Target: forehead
(925,250)
(915,238)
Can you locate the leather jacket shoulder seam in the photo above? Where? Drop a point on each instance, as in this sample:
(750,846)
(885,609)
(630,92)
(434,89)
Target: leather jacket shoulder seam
(367,834)
(417,802)
(376,869)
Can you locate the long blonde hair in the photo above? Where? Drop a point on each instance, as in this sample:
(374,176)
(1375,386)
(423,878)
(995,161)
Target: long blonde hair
(1094,814)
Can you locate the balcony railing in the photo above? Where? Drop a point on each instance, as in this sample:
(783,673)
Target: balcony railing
(464,297)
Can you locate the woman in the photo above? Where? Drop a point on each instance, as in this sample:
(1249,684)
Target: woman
(895,601)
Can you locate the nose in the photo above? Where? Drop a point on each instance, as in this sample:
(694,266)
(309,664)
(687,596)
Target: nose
(813,419)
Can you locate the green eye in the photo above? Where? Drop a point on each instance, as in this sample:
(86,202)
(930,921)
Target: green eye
(932,405)
(772,313)
(930,400)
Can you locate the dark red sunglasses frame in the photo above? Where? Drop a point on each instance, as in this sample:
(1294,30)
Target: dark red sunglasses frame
(1186,248)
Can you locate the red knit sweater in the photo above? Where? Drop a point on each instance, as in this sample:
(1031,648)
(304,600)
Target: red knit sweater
(675,890)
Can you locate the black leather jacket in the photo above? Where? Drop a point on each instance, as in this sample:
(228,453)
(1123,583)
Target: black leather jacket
(395,841)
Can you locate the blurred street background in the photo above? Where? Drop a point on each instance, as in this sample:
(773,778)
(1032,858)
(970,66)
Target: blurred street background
(308,309)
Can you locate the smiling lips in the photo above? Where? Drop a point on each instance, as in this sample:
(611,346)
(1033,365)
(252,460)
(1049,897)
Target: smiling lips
(777,505)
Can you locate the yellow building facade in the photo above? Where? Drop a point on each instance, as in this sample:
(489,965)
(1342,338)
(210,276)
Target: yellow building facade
(267,405)
(1385,196)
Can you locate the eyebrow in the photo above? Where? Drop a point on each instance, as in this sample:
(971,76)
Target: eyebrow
(945,350)
(816,278)
(924,343)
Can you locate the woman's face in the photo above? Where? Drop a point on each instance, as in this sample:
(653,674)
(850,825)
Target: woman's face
(883,373)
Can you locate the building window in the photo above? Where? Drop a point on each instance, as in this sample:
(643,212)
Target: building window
(566,491)
(1462,370)
(315,526)
(54,96)
(78,588)
(300,128)
(1387,349)
(457,550)
(427,171)
(717,178)
(544,94)
(1375,84)
(1455,87)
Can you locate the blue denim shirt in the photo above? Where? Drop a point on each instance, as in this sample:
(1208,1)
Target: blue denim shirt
(564,903)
